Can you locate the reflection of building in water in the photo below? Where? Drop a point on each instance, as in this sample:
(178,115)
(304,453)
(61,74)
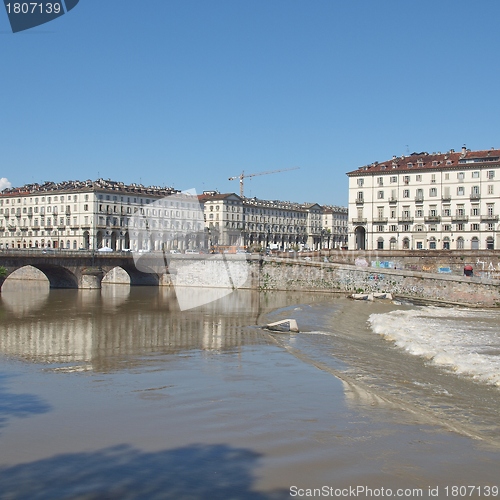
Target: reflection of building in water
(102,339)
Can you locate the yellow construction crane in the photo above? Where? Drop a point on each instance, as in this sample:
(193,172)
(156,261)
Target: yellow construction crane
(242,176)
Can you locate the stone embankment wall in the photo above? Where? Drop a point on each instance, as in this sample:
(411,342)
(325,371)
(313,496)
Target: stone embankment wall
(486,263)
(342,278)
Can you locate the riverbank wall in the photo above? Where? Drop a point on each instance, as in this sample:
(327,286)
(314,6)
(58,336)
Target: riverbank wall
(344,278)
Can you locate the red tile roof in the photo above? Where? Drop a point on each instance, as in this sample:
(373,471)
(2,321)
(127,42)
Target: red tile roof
(423,160)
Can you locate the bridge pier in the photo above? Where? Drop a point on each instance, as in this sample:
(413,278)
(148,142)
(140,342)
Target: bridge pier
(90,278)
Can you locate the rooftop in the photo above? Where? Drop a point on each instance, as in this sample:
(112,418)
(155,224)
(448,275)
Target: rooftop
(433,161)
(88,186)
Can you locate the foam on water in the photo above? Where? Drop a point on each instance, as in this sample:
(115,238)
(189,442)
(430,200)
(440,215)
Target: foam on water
(464,341)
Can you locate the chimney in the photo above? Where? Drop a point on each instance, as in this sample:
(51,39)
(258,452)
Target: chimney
(464,149)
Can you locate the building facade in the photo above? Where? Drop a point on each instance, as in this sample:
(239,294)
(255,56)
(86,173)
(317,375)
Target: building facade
(87,215)
(254,223)
(75,214)
(447,201)
(335,227)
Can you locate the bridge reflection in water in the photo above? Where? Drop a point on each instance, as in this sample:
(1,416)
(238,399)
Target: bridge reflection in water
(97,329)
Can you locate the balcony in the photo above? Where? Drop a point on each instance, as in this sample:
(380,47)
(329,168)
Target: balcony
(359,220)
(359,201)
(489,218)
(380,220)
(446,197)
(393,199)
(419,199)
(405,220)
(457,219)
(475,196)
(432,219)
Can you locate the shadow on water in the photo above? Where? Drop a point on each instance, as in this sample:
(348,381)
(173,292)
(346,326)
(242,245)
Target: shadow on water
(193,472)
(18,405)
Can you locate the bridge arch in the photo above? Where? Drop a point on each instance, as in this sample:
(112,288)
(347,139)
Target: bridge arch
(117,275)
(58,276)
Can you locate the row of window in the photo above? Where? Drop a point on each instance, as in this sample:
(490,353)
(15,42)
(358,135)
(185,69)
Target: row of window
(393,179)
(394,228)
(433,192)
(433,244)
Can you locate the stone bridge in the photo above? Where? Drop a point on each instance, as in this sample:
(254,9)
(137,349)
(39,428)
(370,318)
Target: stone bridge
(79,269)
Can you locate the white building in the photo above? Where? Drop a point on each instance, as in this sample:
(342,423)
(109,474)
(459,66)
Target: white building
(335,225)
(73,214)
(94,214)
(250,222)
(426,201)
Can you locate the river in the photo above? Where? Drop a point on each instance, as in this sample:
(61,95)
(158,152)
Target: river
(116,393)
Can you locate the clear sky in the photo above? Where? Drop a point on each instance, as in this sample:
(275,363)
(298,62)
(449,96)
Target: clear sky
(188,93)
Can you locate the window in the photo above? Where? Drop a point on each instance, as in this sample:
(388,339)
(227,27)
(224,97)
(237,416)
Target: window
(419,178)
(446,227)
(406,179)
(446,212)
(447,177)
(394,179)
(460,176)
(433,179)
(433,192)
(490,174)
(380,229)
(490,188)
(380,181)
(475,210)
(475,175)
(489,243)
(361,182)
(420,245)
(460,191)
(380,195)
(460,243)
(490,208)
(393,228)
(406,193)
(359,197)
(474,227)
(380,244)
(490,226)
(432,244)
(419,213)
(433,211)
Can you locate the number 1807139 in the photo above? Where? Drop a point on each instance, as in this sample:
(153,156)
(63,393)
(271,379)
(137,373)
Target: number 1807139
(33,8)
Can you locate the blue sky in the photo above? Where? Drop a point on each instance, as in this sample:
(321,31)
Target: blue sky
(188,93)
